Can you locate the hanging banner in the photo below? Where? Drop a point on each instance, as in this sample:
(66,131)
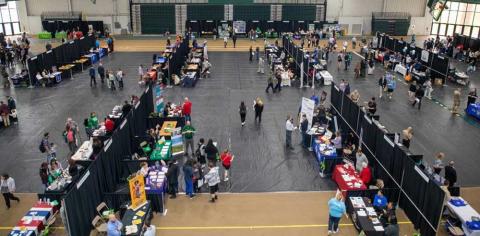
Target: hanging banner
(308,105)
(137,191)
(425,55)
(239,27)
(158,99)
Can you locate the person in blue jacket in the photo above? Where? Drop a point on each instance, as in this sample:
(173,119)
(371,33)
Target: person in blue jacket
(391,85)
(380,201)
(336,208)
(93,80)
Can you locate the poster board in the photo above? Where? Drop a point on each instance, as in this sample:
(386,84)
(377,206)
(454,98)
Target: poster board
(308,105)
(159,106)
(137,191)
(239,27)
(425,55)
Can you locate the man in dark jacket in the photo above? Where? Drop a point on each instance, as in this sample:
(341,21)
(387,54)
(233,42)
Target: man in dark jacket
(11,103)
(304,129)
(93,81)
(172,178)
(451,174)
(101,72)
(418,97)
(278,76)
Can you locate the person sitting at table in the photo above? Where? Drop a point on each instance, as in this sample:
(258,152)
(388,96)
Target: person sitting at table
(355,96)
(114,226)
(389,220)
(55,171)
(378,184)
(372,106)
(109,125)
(365,174)
(97,146)
(379,201)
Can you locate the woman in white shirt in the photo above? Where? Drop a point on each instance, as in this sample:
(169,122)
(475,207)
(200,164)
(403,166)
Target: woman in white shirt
(7,187)
(289,127)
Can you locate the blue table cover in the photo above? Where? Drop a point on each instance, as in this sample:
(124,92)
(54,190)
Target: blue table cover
(473,225)
(22,233)
(474,110)
(457,202)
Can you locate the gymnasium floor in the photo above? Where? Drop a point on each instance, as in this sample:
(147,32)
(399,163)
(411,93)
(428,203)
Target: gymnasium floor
(262,164)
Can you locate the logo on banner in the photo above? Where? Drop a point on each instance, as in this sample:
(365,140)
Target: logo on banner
(137,191)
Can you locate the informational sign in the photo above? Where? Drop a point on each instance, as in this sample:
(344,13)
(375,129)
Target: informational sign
(137,191)
(308,105)
(239,27)
(158,99)
(425,55)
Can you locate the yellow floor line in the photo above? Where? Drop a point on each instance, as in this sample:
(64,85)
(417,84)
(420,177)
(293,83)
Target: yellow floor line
(233,227)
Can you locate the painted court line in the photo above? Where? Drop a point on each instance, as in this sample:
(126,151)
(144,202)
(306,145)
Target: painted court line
(236,227)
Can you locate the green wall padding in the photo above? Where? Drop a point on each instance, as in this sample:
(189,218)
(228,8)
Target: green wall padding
(251,12)
(157,19)
(230,1)
(298,12)
(205,12)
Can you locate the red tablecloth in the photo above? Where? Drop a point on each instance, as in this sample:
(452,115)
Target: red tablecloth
(338,176)
(38,224)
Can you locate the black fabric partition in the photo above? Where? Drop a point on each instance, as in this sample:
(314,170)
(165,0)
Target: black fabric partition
(384,155)
(439,66)
(49,59)
(59,54)
(32,67)
(148,94)
(389,43)
(336,97)
(399,46)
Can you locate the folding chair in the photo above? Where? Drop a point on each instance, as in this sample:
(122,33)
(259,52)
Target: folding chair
(100,227)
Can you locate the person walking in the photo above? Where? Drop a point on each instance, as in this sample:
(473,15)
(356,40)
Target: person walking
(188,131)
(382,84)
(5,113)
(7,187)
(270,83)
(339,61)
(411,91)
(278,76)
(172,176)
(261,65)
(428,89)
(258,107)
(187,109)
(101,72)
(226,159)
(243,112)
(391,85)
(456,101)
(304,129)
(93,80)
(289,128)
(407,136)
(225,40)
(141,72)
(211,152)
(418,97)
(250,54)
(71,139)
(45,146)
(200,153)
(336,208)
(213,179)
(188,177)
(234,39)
(120,78)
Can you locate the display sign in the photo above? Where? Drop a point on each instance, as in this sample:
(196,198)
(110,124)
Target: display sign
(137,191)
(239,27)
(425,55)
(158,99)
(308,105)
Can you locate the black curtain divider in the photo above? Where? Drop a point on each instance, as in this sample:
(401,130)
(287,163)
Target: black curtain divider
(399,154)
(384,155)
(389,43)
(49,59)
(194,25)
(400,45)
(149,99)
(370,130)
(336,97)
(207,25)
(439,66)
(33,68)
(59,54)
(302,25)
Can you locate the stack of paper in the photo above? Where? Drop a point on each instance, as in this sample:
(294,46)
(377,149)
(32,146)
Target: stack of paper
(131,229)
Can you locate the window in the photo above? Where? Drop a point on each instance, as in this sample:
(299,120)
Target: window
(460,18)
(9,22)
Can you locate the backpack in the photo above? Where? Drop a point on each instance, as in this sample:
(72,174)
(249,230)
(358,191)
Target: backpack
(41,147)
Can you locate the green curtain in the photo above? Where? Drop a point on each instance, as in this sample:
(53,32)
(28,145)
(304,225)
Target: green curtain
(157,19)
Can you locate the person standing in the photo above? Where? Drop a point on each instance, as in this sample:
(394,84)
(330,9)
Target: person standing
(5,113)
(120,78)
(289,128)
(187,109)
(336,208)
(451,174)
(93,80)
(111,80)
(456,101)
(250,54)
(188,131)
(339,61)
(278,76)
(411,91)
(234,39)
(382,84)
(407,136)
(304,129)
(261,66)
(71,140)
(225,41)
(45,146)
(200,153)
(428,89)
(270,83)
(213,179)
(172,177)
(7,187)
(226,159)
(243,112)
(188,177)
(438,163)
(472,96)
(258,107)
(360,158)
(11,103)
(211,152)
(391,85)
(101,72)
(418,97)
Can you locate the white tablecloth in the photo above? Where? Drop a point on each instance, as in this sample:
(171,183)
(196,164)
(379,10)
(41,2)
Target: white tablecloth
(464,214)
(401,69)
(327,77)
(84,152)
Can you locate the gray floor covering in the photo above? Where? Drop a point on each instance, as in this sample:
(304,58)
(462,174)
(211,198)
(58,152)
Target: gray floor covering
(262,163)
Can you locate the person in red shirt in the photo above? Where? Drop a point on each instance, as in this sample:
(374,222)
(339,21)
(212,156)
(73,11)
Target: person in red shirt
(226,159)
(187,109)
(365,174)
(109,125)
